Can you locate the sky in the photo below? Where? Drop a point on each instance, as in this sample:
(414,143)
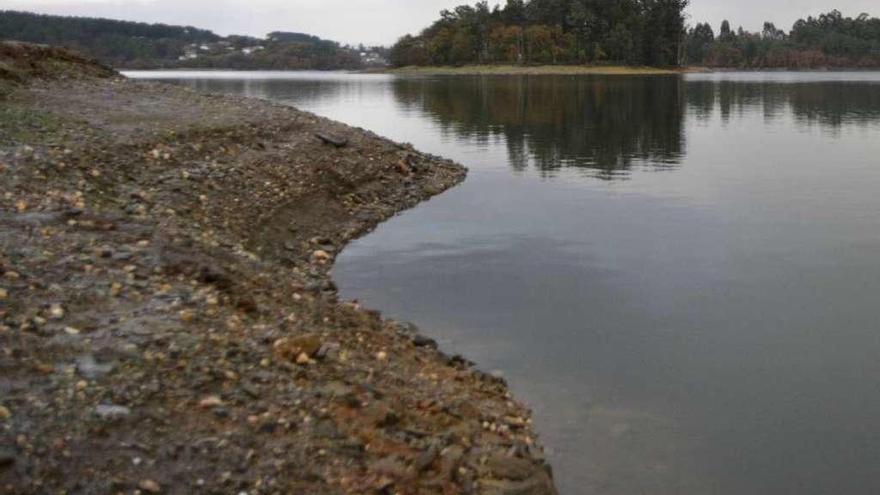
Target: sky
(381,22)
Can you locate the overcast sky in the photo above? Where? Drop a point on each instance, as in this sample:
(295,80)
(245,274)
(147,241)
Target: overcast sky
(383,21)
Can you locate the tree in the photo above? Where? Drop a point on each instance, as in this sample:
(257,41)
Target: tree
(726,34)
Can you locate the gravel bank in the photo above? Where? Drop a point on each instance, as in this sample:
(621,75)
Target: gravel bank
(167,322)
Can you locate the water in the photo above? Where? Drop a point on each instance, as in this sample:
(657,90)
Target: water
(680,274)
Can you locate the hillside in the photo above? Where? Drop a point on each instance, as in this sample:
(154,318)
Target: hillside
(135,45)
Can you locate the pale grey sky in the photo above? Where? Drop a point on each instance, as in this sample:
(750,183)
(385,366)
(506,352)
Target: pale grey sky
(383,21)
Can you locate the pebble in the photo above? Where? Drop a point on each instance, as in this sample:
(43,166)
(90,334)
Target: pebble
(56,311)
(422,341)
(71,331)
(5,413)
(112,412)
(3,294)
(321,256)
(187,316)
(211,401)
(150,486)
(89,368)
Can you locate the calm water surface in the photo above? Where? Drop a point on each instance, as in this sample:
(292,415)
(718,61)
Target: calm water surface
(680,274)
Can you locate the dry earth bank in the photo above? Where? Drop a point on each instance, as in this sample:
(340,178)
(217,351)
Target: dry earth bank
(167,323)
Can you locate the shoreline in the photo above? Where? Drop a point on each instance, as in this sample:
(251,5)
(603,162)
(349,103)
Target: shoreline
(168,320)
(508,70)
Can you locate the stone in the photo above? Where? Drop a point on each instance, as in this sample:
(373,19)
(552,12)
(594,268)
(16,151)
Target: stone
(422,341)
(5,413)
(328,350)
(87,367)
(150,486)
(210,401)
(292,348)
(112,412)
(321,256)
(7,458)
(4,294)
(539,484)
(512,468)
(56,311)
(426,458)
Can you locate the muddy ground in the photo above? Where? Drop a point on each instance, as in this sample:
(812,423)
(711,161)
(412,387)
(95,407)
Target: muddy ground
(167,322)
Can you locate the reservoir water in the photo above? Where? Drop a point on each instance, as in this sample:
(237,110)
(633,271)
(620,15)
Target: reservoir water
(680,274)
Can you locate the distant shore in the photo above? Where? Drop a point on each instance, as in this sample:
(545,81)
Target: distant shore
(505,70)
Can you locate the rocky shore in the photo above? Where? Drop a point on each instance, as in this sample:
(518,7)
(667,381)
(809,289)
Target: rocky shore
(167,322)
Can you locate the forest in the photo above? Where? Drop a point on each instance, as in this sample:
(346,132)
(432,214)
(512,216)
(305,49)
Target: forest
(136,45)
(829,40)
(630,32)
(523,32)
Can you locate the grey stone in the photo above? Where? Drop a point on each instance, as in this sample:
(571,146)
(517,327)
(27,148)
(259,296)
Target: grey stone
(89,368)
(111,412)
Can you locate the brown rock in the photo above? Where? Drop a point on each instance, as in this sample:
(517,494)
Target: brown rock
(291,348)
(150,486)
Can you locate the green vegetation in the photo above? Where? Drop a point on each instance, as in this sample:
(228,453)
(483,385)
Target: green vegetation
(138,45)
(830,40)
(630,32)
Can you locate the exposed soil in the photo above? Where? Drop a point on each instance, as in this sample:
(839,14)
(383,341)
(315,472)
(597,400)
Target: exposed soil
(167,322)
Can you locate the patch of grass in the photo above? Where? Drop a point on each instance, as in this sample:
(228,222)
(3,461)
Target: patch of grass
(20,124)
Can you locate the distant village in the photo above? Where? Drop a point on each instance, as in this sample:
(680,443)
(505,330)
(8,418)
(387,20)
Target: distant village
(369,56)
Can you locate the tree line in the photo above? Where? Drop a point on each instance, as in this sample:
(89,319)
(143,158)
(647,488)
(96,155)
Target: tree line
(138,45)
(829,40)
(634,32)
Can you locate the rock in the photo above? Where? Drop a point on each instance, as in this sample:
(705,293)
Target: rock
(5,413)
(426,459)
(390,467)
(56,311)
(210,401)
(326,138)
(89,368)
(72,331)
(539,484)
(7,458)
(150,486)
(3,294)
(292,348)
(328,350)
(321,256)
(187,316)
(422,341)
(512,468)
(110,412)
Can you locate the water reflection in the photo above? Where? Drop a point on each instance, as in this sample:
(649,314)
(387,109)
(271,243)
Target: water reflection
(828,105)
(604,127)
(600,125)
